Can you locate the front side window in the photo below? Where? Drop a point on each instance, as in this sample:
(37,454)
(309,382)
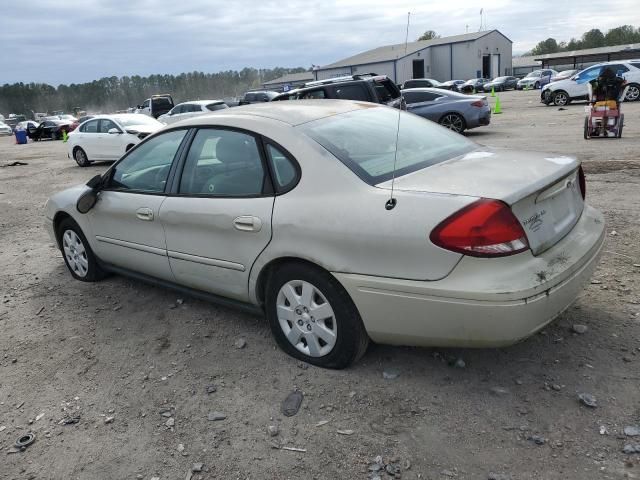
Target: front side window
(365,141)
(146,168)
(589,74)
(146,104)
(177,109)
(223,162)
(106,125)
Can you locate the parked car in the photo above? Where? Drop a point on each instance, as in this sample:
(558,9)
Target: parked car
(500,84)
(5,129)
(287,209)
(563,75)
(453,85)
(108,137)
(453,110)
(156,105)
(27,125)
(258,96)
(563,92)
(477,84)
(366,88)
(536,79)
(186,110)
(421,83)
(51,129)
(13,119)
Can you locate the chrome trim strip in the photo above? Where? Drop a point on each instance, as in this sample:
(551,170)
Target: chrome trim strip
(134,246)
(213,262)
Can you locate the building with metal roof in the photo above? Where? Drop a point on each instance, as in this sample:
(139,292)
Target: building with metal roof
(471,55)
(579,59)
(520,66)
(288,81)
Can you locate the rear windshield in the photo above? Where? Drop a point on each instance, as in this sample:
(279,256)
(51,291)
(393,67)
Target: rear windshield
(161,101)
(365,140)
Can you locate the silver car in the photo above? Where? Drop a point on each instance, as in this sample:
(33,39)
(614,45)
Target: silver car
(341,227)
(453,110)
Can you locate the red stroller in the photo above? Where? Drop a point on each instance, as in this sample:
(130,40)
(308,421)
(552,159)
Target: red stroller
(604,118)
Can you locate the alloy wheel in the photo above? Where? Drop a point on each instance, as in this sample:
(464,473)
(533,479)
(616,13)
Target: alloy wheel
(633,93)
(453,122)
(75,253)
(560,99)
(306,318)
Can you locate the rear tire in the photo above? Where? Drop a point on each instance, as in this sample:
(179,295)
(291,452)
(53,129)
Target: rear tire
(80,157)
(336,338)
(633,94)
(453,121)
(586,128)
(77,253)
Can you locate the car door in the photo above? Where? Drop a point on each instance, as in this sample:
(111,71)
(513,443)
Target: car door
(110,144)
(126,218)
(176,114)
(424,104)
(86,138)
(219,218)
(577,87)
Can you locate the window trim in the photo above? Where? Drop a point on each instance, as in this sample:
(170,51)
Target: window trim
(108,175)
(268,188)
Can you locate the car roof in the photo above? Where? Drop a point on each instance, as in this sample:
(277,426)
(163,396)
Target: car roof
(116,116)
(200,102)
(293,113)
(440,91)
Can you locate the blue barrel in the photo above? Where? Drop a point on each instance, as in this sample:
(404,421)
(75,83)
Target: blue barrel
(21,137)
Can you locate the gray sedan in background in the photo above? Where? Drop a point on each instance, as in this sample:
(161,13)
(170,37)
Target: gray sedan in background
(453,110)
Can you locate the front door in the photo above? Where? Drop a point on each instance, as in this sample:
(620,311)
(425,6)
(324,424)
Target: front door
(126,218)
(418,69)
(219,220)
(110,144)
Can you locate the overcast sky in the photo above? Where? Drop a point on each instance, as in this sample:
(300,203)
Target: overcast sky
(73,41)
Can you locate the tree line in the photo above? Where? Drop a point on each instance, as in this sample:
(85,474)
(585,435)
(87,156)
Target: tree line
(594,38)
(118,93)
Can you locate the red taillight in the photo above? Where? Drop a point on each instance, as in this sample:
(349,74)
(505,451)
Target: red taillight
(583,182)
(478,103)
(486,228)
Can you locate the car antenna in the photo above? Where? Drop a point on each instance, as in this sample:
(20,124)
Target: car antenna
(392,202)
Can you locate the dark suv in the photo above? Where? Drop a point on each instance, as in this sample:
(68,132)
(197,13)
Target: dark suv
(367,88)
(257,97)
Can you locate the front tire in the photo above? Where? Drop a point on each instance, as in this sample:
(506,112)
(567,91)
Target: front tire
(313,318)
(536,85)
(77,253)
(80,157)
(560,99)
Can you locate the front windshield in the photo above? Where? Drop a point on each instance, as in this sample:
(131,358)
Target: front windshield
(500,79)
(137,119)
(365,141)
(533,74)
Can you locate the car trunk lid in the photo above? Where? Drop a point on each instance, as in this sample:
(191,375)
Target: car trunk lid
(542,189)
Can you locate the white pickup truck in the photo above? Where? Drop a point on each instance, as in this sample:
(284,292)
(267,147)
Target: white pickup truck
(564,92)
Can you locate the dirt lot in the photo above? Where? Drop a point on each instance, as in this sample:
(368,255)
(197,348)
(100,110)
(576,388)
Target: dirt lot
(130,351)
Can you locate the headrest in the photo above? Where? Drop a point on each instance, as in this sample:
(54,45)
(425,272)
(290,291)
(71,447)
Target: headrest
(235,148)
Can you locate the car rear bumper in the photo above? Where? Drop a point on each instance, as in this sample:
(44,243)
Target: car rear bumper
(483,302)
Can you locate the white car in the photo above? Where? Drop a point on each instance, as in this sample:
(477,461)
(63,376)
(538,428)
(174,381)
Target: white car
(306,211)
(185,110)
(536,79)
(108,137)
(563,92)
(5,129)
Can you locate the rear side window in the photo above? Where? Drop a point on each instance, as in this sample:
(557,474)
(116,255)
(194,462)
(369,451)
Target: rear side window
(216,106)
(283,168)
(417,97)
(313,94)
(352,92)
(619,68)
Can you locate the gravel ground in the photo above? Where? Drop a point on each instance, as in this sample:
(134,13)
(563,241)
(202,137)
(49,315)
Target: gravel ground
(128,365)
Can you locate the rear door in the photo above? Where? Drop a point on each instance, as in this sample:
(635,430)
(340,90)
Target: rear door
(218,219)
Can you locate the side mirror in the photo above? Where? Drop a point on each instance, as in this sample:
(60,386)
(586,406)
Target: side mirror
(114,131)
(89,198)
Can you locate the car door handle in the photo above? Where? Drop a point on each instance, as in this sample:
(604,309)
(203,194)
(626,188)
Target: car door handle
(145,213)
(247,223)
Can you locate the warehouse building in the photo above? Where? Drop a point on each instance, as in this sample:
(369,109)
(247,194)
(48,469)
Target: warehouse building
(480,54)
(579,59)
(288,81)
(520,66)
